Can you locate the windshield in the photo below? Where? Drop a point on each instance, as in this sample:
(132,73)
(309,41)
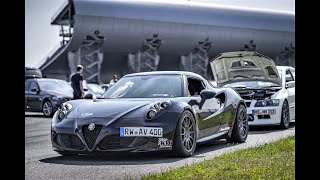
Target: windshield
(148,86)
(251,84)
(95,88)
(56,85)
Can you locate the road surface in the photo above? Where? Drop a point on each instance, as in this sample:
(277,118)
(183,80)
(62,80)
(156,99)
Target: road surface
(41,162)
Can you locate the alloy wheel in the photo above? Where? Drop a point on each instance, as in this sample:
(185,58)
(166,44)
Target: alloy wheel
(188,133)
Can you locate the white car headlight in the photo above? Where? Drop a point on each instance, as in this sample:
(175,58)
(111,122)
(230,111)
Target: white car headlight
(267,103)
(63,110)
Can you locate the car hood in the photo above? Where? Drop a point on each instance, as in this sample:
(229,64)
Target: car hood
(240,66)
(109,108)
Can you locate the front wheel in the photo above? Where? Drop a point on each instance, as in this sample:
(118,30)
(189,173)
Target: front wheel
(241,127)
(285,116)
(184,143)
(47,108)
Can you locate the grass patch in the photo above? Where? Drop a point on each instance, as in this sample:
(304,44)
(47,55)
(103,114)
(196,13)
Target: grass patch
(275,160)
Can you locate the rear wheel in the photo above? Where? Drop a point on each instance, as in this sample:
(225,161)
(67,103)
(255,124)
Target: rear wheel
(47,108)
(285,116)
(184,143)
(241,127)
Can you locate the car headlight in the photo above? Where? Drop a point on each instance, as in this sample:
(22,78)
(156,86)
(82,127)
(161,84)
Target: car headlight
(158,108)
(267,102)
(57,98)
(63,110)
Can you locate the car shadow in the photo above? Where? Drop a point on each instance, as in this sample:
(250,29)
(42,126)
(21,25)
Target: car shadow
(134,158)
(267,129)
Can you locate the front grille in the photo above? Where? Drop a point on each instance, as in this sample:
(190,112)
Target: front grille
(69,141)
(248,104)
(110,142)
(91,136)
(263,116)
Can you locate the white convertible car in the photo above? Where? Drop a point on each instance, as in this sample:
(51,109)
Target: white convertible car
(268,90)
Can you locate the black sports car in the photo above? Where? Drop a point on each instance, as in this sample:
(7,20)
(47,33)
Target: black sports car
(151,111)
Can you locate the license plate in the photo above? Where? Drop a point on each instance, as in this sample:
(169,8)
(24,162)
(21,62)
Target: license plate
(140,132)
(264,111)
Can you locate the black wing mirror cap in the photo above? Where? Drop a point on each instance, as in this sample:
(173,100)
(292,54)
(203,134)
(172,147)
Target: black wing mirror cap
(88,96)
(207,94)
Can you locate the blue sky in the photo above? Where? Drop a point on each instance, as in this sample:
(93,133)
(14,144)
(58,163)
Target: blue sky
(41,37)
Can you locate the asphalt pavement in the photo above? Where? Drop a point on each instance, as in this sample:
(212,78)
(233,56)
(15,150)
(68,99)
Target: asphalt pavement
(41,162)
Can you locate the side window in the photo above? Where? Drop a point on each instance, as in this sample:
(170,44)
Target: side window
(293,72)
(195,87)
(27,85)
(33,85)
(289,76)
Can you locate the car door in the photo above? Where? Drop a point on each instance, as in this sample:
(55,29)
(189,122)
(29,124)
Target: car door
(207,123)
(291,91)
(34,98)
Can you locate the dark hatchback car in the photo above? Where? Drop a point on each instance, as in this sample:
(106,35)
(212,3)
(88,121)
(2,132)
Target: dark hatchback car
(46,95)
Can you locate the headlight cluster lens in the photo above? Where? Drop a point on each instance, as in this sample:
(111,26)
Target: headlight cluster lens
(155,108)
(268,102)
(151,114)
(63,110)
(57,98)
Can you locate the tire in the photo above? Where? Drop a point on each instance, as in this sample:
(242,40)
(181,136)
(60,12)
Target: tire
(47,108)
(241,127)
(285,116)
(184,143)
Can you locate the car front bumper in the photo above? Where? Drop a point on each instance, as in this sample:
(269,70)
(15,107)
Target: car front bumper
(270,119)
(73,136)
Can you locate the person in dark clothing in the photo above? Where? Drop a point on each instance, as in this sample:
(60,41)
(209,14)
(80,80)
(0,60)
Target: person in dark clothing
(76,83)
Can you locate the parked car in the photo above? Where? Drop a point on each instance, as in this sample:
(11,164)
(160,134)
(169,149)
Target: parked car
(269,91)
(95,90)
(139,114)
(32,73)
(105,86)
(46,95)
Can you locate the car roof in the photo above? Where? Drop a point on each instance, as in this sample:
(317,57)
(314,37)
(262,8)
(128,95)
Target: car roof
(186,73)
(47,79)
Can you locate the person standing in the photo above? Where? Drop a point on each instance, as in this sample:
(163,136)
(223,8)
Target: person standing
(76,83)
(114,79)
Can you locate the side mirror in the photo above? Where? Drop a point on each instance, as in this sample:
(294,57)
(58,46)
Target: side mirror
(88,96)
(207,94)
(290,84)
(35,90)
